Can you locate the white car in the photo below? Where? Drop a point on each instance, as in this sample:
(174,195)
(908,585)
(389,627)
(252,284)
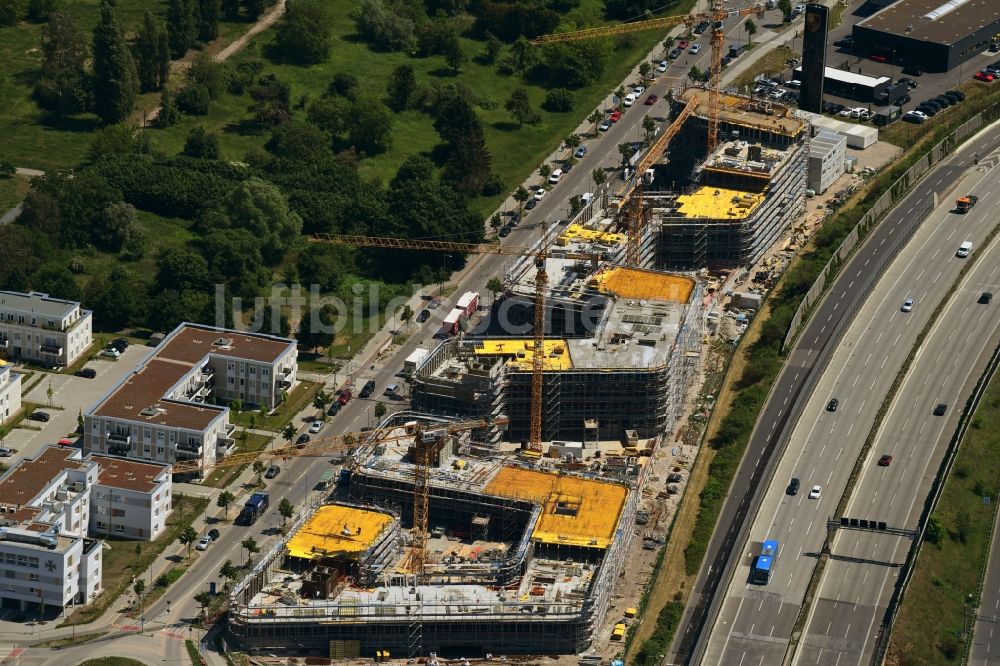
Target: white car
(111,352)
(629,100)
(815,492)
(638,90)
(662,67)
(907,305)
(794,83)
(695,49)
(540,193)
(315,427)
(777,93)
(798,10)
(203,543)
(604,126)
(846,113)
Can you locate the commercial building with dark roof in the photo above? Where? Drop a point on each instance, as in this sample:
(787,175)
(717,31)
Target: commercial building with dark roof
(173,406)
(932,35)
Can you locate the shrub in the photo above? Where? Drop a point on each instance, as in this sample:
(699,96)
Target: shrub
(558,100)
(194,99)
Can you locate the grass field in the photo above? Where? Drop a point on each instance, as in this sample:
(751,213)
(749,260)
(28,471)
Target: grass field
(12,191)
(221,477)
(772,62)
(28,139)
(930,623)
(515,152)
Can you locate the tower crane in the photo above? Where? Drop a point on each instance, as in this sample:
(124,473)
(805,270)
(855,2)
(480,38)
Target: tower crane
(636,212)
(541,253)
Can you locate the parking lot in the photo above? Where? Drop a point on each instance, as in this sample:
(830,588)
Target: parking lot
(70,395)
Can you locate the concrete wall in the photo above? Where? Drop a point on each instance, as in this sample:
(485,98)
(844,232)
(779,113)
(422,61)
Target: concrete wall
(10,393)
(130,514)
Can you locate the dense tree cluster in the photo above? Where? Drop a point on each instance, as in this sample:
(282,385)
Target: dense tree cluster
(305,34)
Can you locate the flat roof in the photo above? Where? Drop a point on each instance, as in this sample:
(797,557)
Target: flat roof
(27,478)
(645,284)
(576,511)
(521,352)
(581,234)
(336,530)
(718,203)
(191,343)
(906,18)
(852,78)
(737,110)
(128,474)
(36,302)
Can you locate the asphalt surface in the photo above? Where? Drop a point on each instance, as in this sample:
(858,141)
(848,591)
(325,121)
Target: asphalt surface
(985,649)
(856,280)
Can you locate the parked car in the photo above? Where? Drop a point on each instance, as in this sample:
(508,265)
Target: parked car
(203,543)
(213,534)
(905,99)
(333,409)
(984,77)
(86,373)
(272,472)
(540,193)
(345,396)
(651,100)
(674,53)
(701,27)
(315,427)
(885,460)
(616,115)
(530,204)
(794,83)
(662,67)
(424,315)
(581,150)
(957,93)
(39,416)
(604,126)
(909,82)
(121,344)
(878,57)
(504,231)
(303,439)
(844,42)
(65,442)
(5,452)
(695,49)
(111,352)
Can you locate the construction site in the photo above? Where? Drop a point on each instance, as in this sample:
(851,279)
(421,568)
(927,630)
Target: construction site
(515,559)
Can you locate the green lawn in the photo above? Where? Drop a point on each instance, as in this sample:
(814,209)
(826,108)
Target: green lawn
(221,477)
(929,626)
(28,140)
(12,191)
(516,152)
(300,396)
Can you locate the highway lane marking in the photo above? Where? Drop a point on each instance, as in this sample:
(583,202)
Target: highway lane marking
(879,338)
(886,358)
(840,452)
(922,271)
(869,358)
(856,378)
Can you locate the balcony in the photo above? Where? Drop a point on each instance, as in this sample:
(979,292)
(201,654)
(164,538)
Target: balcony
(54,350)
(225,446)
(188,451)
(118,444)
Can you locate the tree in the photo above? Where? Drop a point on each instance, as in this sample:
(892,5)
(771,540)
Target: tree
(168,115)
(272,101)
(370,126)
(558,100)
(258,469)
(250,545)
(575,205)
(521,195)
(494,286)
(620,93)
(201,144)
(453,53)
(182,26)
(467,165)
(39,11)
(785,6)
(254,8)
(598,176)
(645,69)
(696,74)
(626,151)
(668,43)
(149,55)
(406,314)
(545,170)
(648,126)
(402,83)
(187,537)
(261,208)
(321,400)
(229,571)
(224,500)
(305,33)
(115,82)
(139,587)
(935,532)
(493,47)
(572,142)
(288,432)
(48,393)
(379,411)
(286,509)
(594,118)
(519,107)
(64,87)
(116,224)
(208,19)
(230,9)
(751,29)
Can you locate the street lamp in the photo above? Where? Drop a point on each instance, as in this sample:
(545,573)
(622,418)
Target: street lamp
(444,270)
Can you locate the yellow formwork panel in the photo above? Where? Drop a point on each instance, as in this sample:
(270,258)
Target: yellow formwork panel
(577,512)
(577,232)
(336,530)
(645,285)
(718,203)
(521,351)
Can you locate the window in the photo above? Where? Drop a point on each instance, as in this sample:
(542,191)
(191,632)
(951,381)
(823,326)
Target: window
(118,499)
(33,577)
(264,372)
(117,513)
(253,370)
(22,560)
(33,562)
(10,588)
(119,528)
(9,558)
(101,525)
(8,573)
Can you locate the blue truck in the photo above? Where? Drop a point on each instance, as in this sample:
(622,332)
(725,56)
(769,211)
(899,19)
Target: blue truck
(254,508)
(763,564)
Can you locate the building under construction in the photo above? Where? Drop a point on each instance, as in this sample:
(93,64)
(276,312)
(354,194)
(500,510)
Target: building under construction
(620,345)
(742,196)
(518,560)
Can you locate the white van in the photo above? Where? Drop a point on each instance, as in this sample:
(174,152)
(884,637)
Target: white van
(629,100)
(586,198)
(964,249)
(555,176)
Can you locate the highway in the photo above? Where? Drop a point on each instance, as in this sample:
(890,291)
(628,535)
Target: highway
(858,580)
(986,630)
(754,623)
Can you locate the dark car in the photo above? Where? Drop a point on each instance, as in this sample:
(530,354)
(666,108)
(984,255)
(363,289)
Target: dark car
(793,486)
(86,373)
(885,460)
(214,533)
(39,416)
(844,43)
(272,472)
(913,71)
(423,316)
(940,409)
(504,231)
(303,439)
(515,219)
(909,82)
(651,100)
(952,96)
(531,203)
(701,27)
(957,93)
(943,101)
(674,53)
(581,150)
(928,110)
(121,344)
(333,409)
(726,60)
(986,297)
(367,389)
(932,102)
(905,99)
(832,405)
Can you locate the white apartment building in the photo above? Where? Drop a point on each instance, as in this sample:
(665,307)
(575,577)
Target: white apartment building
(174,406)
(47,506)
(36,327)
(10,392)
(827,160)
